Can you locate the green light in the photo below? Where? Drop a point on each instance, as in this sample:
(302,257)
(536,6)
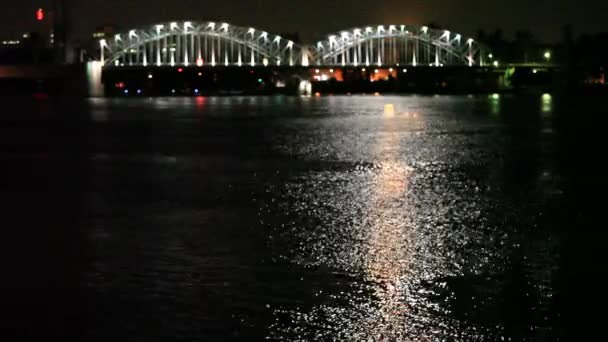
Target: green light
(490,56)
(495,96)
(496,64)
(548,55)
(260,80)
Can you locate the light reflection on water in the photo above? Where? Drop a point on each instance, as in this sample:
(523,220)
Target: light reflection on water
(336,220)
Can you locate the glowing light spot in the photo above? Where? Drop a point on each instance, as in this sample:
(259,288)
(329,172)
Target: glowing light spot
(150,76)
(317,94)
(389,110)
(40,14)
(180,70)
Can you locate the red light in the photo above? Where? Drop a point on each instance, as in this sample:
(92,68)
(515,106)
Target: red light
(40,14)
(180,70)
(120,85)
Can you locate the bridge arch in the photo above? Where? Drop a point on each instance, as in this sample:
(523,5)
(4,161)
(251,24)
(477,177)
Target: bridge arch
(383,45)
(197,43)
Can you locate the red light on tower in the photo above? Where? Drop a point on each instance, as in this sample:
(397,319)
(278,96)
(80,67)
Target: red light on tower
(40,14)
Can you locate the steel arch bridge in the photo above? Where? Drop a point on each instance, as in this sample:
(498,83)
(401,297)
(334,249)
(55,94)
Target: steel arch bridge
(197,43)
(397,45)
(209,44)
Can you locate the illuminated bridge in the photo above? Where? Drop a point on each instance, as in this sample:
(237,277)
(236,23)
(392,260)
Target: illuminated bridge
(193,43)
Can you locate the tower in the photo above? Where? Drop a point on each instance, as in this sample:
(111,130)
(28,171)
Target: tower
(60,30)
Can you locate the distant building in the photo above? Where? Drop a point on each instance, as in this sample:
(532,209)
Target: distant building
(103,32)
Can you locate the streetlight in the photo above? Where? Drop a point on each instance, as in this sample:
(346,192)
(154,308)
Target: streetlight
(548,55)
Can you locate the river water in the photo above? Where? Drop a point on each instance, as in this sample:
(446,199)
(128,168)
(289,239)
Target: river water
(363,218)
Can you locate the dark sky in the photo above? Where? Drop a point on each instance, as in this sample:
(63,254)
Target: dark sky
(314,17)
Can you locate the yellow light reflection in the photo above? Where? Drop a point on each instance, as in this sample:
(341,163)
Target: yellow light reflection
(389,110)
(390,240)
(547,104)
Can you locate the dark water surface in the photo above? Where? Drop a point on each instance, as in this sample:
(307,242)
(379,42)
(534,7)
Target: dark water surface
(465,218)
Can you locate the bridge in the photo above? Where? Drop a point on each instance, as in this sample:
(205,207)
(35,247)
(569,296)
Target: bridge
(206,43)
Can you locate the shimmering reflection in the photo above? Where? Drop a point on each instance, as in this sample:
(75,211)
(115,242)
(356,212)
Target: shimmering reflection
(389,254)
(320,219)
(546,104)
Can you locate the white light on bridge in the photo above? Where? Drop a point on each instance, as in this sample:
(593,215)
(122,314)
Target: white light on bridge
(224,27)
(132,34)
(425,29)
(173,26)
(159,28)
(211,25)
(368,29)
(251,31)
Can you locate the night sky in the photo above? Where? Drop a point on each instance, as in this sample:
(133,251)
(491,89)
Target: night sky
(312,18)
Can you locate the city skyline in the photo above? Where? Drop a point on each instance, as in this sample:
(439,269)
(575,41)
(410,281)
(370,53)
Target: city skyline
(544,19)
